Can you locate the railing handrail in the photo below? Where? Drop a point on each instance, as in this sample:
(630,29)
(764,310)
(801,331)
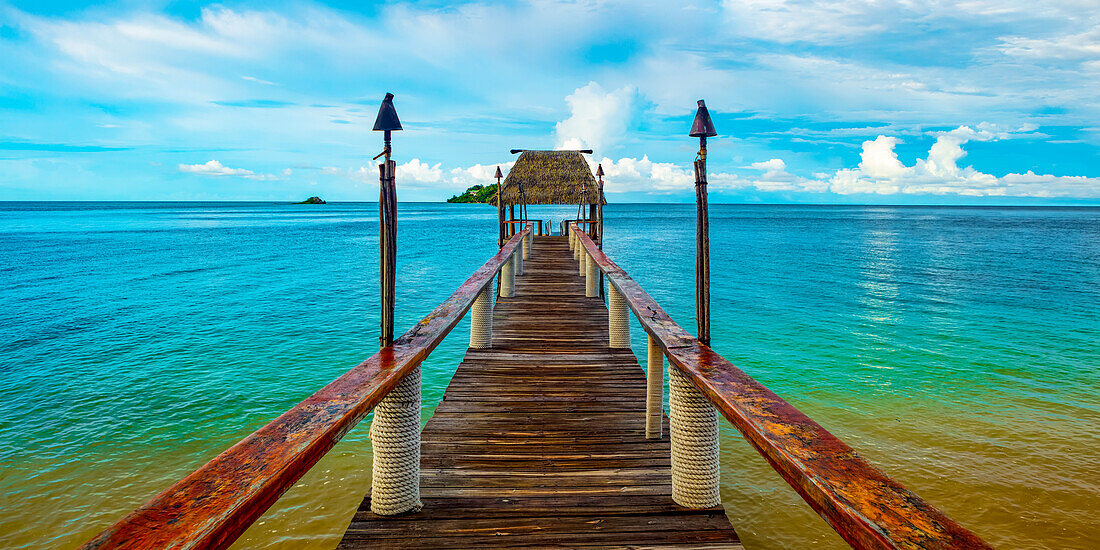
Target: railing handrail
(212,506)
(864,505)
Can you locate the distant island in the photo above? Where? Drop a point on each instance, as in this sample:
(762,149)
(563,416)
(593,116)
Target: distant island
(312,200)
(482,194)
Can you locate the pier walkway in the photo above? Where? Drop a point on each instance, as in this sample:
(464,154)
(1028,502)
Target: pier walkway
(540,439)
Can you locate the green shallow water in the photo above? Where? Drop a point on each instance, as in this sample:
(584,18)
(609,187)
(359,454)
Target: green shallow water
(957,348)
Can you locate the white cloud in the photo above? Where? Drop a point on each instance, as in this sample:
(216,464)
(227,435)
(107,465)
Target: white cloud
(597,120)
(217,169)
(880,172)
(774,178)
(632,174)
(416,174)
(214,168)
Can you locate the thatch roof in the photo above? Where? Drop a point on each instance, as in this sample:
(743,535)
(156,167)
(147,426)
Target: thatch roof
(550,177)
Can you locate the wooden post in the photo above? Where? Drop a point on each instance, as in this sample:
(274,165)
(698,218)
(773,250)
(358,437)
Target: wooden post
(387,241)
(702,247)
(481,319)
(592,277)
(618,322)
(655,386)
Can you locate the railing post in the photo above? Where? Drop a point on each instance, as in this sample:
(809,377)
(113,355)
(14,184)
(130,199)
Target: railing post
(618,324)
(592,277)
(481,319)
(693,425)
(654,395)
(507,279)
(518,258)
(572,243)
(578,249)
(395,442)
(527,245)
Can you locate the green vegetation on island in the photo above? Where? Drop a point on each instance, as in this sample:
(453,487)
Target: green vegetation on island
(482,194)
(312,200)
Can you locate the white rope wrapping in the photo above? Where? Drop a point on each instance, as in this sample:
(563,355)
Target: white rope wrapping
(578,249)
(507,279)
(693,424)
(591,277)
(481,320)
(518,258)
(581,253)
(654,391)
(572,243)
(527,246)
(395,439)
(618,324)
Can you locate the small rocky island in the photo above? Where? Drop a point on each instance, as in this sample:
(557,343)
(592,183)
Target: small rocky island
(312,200)
(482,194)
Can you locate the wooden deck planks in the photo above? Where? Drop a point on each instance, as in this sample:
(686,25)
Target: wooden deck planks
(539,441)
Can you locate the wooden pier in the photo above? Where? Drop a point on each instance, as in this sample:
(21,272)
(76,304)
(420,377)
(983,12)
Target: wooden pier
(550,433)
(540,440)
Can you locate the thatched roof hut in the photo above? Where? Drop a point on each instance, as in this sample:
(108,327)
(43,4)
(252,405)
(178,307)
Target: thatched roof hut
(550,177)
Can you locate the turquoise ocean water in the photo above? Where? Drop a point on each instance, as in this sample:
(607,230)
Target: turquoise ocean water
(957,348)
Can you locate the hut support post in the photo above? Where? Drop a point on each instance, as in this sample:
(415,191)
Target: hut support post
(387,241)
(655,386)
(702,247)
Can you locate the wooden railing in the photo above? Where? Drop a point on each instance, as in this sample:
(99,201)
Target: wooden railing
(865,506)
(212,506)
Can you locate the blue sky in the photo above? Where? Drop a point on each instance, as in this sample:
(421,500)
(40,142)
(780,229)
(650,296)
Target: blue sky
(976,102)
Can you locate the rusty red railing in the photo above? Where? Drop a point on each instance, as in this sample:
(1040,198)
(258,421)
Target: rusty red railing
(864,505)
(212,506)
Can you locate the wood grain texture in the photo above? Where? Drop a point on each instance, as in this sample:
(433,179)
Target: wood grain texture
(540,440)
(865,506)
(211,507)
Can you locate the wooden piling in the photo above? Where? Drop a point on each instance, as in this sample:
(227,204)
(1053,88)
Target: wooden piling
(387,242)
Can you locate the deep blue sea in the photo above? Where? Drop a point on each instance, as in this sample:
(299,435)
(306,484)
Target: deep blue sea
(958,348)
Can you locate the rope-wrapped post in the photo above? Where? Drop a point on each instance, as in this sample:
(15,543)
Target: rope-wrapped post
(395,440)
(527,246)
(618,323)
(654,394)
(507,279)
(693,424)
(573,243)
(578,250)
(591,277)
(481,319)
(518,259)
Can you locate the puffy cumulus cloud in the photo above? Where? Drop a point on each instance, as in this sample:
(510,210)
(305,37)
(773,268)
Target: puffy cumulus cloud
(774,177)
(881,172)
(478,174)
(214,168)
(217,169)
(597,119)
(632,174)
